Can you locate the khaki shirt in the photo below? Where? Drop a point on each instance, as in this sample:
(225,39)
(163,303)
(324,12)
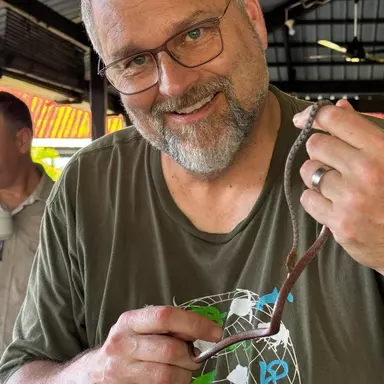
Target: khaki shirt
(18,253)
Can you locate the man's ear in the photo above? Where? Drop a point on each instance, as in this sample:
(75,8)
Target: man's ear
(256,17)
(24,140)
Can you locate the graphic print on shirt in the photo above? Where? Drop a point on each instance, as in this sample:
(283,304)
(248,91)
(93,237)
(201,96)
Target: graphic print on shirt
(270,360)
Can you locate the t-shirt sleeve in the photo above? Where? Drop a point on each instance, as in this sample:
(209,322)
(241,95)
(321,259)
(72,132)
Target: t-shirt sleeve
(50,325)
(375,120)
(380,283)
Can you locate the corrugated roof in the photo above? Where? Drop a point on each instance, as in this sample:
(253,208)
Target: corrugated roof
(314,26)
(68,8)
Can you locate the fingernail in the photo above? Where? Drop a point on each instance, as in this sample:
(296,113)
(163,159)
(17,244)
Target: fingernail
(297,120)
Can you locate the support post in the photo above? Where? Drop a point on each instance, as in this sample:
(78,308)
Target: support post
(98,99)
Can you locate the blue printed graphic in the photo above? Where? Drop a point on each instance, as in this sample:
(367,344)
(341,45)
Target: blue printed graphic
(270,375)
(269,360)
(271,298)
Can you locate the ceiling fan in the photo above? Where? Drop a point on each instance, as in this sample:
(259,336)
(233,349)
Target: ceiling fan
(354,51)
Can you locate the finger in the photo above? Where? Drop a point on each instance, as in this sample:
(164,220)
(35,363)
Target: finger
(342,103)
(332,151)
(163,349)
(171,320)
(316,205)
(331,183)
(347,125)
(144,372)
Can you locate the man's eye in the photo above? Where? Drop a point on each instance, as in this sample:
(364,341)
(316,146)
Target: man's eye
(138,60)
(195,34)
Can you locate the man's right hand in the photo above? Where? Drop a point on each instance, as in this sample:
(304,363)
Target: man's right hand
(149,345)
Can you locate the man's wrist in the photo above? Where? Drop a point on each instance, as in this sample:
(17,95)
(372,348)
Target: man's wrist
(84,369)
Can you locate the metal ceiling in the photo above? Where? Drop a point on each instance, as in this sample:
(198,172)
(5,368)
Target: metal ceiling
(30,48)
(68,8)
(288,55)
(332,21)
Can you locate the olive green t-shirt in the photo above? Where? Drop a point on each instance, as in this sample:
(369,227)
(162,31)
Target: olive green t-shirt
(113,240)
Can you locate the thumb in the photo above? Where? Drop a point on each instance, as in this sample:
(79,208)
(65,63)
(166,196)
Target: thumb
(345,104)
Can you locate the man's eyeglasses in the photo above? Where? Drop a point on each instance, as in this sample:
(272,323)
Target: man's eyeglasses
(198,45)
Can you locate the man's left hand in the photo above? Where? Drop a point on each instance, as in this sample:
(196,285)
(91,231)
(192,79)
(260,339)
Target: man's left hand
(351,202)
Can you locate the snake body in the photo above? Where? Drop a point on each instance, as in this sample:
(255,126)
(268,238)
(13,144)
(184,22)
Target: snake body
(294,269)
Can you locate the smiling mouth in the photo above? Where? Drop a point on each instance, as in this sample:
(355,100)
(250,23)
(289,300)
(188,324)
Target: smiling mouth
(195,107)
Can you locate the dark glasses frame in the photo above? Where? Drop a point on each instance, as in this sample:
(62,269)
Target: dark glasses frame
(213,22)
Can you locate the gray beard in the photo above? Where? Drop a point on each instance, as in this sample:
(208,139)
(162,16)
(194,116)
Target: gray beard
(208,147)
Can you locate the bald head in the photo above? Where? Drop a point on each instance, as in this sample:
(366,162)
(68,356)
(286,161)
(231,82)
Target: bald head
(87,15)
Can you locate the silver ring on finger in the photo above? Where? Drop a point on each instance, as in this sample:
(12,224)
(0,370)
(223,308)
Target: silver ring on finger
(317,176)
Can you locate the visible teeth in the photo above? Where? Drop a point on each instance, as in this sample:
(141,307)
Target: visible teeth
(195,107)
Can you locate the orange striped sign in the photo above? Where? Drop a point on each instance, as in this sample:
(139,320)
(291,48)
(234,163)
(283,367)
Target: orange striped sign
(114,123)
(55,121)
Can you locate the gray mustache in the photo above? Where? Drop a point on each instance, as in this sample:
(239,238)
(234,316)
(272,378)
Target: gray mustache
(193,96)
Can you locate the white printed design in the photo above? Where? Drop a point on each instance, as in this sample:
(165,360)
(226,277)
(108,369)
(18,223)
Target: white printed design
(270,360)
(282,338)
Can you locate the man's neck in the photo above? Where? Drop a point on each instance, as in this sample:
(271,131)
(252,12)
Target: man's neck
(27,180)
(219,204)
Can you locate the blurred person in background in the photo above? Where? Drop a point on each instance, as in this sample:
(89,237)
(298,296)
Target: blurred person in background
(24,188)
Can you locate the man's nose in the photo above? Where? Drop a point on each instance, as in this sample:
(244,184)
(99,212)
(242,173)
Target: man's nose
(174,79)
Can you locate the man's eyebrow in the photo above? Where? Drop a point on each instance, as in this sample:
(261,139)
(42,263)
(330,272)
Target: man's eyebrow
(132,49)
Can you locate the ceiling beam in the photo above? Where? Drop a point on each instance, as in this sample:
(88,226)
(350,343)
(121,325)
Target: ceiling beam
(70,93)
(315,63)
(114,102)
(304,44)
(48,18)
(337,21)
(357,87)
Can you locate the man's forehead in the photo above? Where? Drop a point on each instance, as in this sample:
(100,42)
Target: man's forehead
(132,10)
(134,21)
(132,5)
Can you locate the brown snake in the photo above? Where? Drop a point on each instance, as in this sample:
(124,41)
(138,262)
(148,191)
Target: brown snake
(294,269)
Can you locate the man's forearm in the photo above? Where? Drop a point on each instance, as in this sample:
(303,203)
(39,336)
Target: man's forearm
(78,371)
